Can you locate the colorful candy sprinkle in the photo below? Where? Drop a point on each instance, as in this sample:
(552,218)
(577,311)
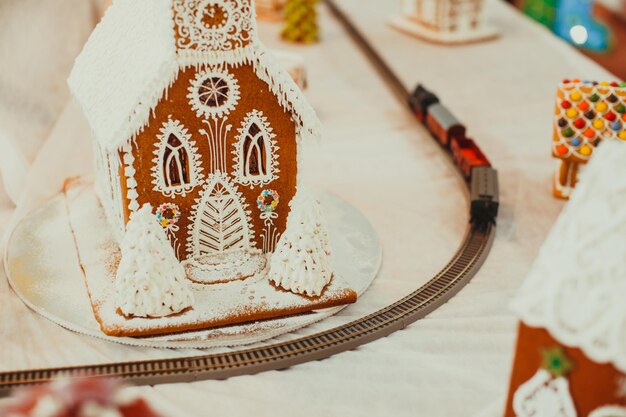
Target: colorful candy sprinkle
(572,113)
(576,142)
(622,135)
(576,96)
(583,106)
(585,150)
(580,123)
(561,150)
(616,126)
(566,104)
(598,124)
(610,116)
(601,106)
(595,97)
(590,133)
(568,133)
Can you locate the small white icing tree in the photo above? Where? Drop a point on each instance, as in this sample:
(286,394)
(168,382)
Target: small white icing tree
(301,262)
(150,281)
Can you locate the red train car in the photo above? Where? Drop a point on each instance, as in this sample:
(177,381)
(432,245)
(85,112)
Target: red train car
(467,155)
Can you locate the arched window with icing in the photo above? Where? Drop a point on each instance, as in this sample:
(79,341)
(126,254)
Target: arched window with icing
(255,153)
(176,169)
(175,163)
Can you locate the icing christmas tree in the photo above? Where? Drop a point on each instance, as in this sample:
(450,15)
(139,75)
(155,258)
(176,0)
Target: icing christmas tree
(547,393)
(301,263)
(301,21)
(150,281)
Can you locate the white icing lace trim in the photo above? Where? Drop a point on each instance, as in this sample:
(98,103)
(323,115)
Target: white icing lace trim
(174,127)
(266,134)
(301,263)
(576,287)
(234,29)
(150,282)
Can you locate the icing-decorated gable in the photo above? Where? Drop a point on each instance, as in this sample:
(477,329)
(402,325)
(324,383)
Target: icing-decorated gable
(137,51)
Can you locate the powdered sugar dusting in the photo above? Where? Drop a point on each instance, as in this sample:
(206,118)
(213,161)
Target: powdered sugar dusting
(215,305)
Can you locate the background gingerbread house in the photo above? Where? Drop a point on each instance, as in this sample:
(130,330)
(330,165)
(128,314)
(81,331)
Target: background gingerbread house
(587,113)
(571,351)
(191,114)
(445,15)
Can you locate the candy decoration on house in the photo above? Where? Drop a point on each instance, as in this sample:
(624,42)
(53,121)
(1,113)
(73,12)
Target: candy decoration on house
(444,21)
(271,10)
(305,240)
(267,203)
(168,215)
(150,281)
(587,113)
(301,21)
(547,392)
(571,306)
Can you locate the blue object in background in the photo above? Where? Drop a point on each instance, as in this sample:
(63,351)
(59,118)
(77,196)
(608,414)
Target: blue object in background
(574,22)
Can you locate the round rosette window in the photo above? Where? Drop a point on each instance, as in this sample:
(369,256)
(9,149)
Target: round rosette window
(168,215)
(213,93)
(267,203)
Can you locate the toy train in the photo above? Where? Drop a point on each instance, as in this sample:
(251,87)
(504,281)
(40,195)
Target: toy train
(467,156)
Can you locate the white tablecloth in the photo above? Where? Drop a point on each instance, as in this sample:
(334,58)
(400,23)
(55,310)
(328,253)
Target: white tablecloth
(457,360)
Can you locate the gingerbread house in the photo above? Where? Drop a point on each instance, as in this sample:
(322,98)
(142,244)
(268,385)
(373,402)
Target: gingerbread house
(571,350)
(587,113)
(191,114)
(447,21)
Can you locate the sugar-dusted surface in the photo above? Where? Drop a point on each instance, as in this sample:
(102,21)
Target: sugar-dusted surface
(56,266)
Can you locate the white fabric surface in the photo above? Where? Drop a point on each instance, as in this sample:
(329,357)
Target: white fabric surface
(457,360)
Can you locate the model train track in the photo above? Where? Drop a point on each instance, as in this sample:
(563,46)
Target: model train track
(447,283)
(279,356)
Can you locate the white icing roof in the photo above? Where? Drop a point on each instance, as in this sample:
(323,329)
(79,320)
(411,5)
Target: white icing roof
(123,70)
(132,58)
(577,285)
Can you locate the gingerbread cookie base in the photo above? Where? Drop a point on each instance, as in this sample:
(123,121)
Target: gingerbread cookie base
(216,305)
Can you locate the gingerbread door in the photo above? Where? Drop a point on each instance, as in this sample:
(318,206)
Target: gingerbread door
(220,220)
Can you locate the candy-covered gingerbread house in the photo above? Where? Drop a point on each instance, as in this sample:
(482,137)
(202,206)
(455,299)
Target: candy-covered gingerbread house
(586,114)
(192,115)
(571,351)
(446,21)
